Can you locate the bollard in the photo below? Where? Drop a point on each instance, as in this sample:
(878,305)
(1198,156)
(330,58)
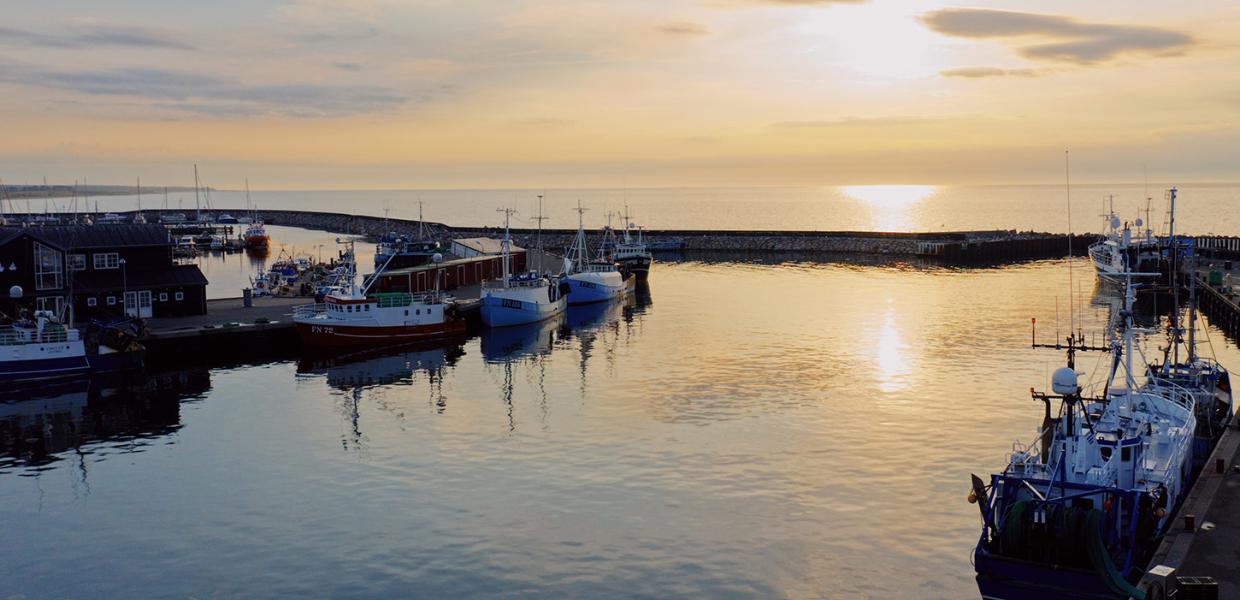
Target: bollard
(247,297)
(1219,465)
(1190,522)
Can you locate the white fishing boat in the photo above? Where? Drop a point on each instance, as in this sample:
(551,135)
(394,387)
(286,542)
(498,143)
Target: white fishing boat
(1123,248)
(592,280)
(349,316)
(1078,512)
(41,348)
(518,299)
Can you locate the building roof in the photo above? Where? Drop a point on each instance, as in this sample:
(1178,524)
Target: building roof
(108,235)
(173,276)
(485,245)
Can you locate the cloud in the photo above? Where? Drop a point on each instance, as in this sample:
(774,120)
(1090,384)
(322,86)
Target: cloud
(93,36)
(981,72)
(1058,38)
(348,66)
(684,28)
(206,94)
(856,122)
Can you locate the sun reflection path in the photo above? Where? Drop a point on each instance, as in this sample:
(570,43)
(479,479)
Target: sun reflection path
(889,205)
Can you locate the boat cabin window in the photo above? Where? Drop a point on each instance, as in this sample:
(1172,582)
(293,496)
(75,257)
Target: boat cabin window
(418,311)
(1125,454)
(367,308)
(1106,453)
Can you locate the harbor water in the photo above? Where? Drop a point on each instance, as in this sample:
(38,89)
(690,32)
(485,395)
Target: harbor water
(1202,208)
(746,429)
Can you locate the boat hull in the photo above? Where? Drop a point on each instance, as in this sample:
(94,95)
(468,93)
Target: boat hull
(588,288)
(502,312)
(43,368)
(325,335)
(638,266)
(1001,578)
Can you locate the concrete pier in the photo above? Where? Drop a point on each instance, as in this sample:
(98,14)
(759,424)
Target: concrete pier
(1202,540)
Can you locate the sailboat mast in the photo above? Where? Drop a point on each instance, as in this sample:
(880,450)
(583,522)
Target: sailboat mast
(197,202)
(421,223)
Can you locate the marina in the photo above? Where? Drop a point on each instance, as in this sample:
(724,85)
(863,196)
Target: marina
(446,290)
(725,299)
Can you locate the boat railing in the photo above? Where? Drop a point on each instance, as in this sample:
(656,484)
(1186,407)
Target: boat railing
(515,283)
(19,336)
(309,311)
(1172,392)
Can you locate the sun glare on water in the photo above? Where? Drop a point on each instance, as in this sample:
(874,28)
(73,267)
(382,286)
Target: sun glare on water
(889,204)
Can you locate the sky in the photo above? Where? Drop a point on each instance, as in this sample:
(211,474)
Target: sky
(361,94)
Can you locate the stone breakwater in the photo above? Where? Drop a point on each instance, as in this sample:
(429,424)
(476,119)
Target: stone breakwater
(983,245)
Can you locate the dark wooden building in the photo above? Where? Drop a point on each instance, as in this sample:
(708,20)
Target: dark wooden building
(107,270)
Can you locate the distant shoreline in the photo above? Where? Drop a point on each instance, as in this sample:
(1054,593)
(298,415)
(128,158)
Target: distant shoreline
(32,192)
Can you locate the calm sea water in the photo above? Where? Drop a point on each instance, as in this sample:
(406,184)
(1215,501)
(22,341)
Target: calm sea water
(1202,209)
(744,429)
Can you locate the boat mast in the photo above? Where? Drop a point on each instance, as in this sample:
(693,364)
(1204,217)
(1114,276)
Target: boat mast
(539,219)
(421,223)
(579,244)
(506,244)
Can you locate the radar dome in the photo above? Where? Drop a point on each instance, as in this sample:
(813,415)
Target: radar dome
(15,291)
(437,257)
(1064,381)
(1114,222)
(1140,222)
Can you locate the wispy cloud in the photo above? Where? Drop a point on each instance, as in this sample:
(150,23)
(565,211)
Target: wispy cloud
(1058,38)
(983,72)
(207,94)
(683,28)
(91,36)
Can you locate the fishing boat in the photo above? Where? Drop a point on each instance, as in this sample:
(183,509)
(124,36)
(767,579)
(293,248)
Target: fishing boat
(630,253)
(592,280)
(226,219)
(1078,512)
(42,346)
(111,219)
(255,235)
(399,251)
(1121,249)
(517,299)
(351,317)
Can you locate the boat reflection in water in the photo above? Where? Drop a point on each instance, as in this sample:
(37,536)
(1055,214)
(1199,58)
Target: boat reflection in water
(40,425)
(392,365)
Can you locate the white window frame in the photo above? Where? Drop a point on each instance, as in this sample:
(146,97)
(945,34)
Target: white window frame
(48,263)
(106,260)
(163,296)
(92,301)
(111,300)
(180,296)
